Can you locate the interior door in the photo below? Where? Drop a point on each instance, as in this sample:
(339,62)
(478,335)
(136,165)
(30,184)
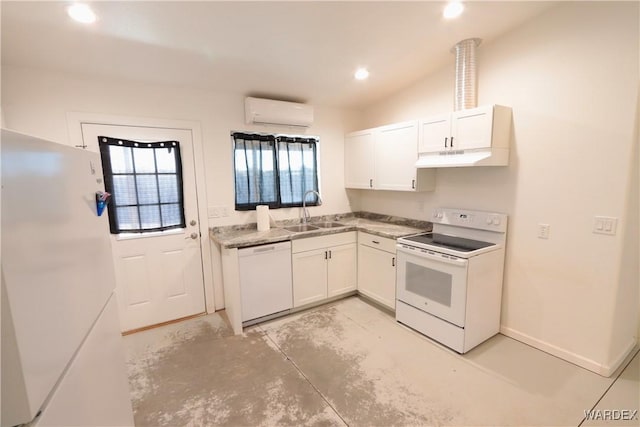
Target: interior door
(159,274)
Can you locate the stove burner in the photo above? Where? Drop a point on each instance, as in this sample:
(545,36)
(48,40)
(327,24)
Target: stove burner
(450,242)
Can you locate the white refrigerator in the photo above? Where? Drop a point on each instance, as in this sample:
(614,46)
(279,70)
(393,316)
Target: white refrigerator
(62,353)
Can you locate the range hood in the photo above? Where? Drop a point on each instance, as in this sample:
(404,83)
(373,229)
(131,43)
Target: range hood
(496,151)
(462,158)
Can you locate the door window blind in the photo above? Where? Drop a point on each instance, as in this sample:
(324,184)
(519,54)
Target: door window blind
(145,182)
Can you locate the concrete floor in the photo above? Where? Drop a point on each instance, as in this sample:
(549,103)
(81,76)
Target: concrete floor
(348,363)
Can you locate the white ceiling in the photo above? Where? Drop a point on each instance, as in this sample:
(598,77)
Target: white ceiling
(300,51)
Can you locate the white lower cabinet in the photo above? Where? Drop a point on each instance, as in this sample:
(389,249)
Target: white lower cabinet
(323,267)
(342,269)
(309,277)
(377,268)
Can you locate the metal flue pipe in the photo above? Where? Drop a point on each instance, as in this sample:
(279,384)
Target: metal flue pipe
(466,78)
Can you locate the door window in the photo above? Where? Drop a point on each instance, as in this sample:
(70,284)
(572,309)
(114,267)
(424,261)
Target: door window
(145,182)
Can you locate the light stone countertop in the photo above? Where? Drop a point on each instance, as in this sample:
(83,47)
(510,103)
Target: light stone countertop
(246,235)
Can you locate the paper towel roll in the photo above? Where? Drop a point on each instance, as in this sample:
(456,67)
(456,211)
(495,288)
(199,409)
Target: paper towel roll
(263,217)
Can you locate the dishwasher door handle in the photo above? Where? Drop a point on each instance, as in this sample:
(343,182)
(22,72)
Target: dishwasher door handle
(264,249)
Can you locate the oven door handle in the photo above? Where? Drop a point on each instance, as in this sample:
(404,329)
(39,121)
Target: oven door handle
(458,262)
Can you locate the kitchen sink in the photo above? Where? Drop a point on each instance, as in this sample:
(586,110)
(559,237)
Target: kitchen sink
(301,227)
(329,224)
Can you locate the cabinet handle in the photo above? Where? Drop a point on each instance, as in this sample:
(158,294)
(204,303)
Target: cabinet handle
(375,241)
(446,138)
(413,184)
(371,183)
(326,255)
(329,254)
(451,142)
(393,262)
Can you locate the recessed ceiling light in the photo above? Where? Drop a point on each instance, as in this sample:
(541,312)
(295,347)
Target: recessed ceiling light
(81,13)
(361,74)
(453,10)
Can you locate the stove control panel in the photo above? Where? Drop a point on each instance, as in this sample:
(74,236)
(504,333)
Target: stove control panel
(481,220)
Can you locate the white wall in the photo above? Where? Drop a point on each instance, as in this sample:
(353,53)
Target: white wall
(571,76)
(36,102)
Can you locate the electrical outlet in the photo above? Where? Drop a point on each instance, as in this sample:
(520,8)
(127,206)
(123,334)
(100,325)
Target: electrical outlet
(605,225)
(543,231)
(213,212)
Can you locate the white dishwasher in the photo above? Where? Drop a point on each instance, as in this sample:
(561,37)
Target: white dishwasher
(265,280)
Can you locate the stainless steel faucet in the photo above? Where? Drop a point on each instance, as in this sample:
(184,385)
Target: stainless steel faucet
(305,212)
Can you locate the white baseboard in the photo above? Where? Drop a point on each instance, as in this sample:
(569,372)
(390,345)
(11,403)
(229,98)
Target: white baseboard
(576,359)
(611,368)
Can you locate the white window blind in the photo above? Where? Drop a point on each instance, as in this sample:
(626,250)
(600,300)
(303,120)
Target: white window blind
(274,170)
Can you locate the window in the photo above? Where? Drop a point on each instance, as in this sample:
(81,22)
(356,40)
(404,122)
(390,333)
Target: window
(145,182)
(274,170)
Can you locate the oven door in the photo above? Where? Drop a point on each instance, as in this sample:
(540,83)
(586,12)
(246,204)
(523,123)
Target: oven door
(433,283)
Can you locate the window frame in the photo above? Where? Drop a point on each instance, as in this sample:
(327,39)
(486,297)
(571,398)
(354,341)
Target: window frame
(277,137)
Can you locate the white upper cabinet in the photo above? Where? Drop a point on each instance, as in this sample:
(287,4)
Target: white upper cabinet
(472,128)
(396,149)
(435,133)
(359,152)
(466,132)
(384,158)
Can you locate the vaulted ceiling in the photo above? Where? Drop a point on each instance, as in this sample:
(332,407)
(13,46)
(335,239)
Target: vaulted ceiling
(301,51)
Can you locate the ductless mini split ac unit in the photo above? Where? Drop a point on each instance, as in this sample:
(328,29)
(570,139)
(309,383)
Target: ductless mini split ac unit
(271,112)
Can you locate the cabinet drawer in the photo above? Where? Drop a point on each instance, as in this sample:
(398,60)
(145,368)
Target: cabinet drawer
(382,243)
(321,242)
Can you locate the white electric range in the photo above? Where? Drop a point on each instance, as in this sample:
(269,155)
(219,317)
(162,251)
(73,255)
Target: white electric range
(449,281)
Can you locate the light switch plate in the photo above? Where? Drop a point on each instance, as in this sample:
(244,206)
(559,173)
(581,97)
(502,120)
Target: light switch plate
(605,225)
(543,231)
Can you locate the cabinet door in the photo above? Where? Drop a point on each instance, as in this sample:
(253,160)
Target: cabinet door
(435,134)
(472,128)
(396,149)
(342,269)
(377,275)
(359,159)
(309,277)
